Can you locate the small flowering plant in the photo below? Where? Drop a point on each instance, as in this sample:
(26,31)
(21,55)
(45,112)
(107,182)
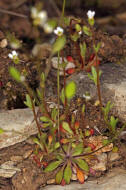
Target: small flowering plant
(14,56)
(61,136)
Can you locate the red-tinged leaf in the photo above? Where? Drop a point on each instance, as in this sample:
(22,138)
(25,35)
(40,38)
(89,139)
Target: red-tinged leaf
(67,128)
(93,147)
(91,57)
(63,182)
(52,166)
(70,71)
(59,176)
(61,129)
(82,164)
(92,62)
(80,175)
(67,173)
(77,124)
(1,84)
(64,141)
(91,131)
(70,59)
(45,164)
(50,138)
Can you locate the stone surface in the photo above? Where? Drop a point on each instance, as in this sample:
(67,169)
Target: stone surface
(113,156)
(115,180)
(18,125)
(113,86)
(7,169)
(102,162)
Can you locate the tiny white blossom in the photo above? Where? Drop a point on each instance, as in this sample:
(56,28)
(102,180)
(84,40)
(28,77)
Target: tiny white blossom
(80,32)
(59,31)
(87,96)
(47,28)
(91,14)
(13,55)
(34,12)
(22,78)
(39,15)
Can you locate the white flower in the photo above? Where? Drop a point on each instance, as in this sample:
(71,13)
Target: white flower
(47,28)
(43,17)
(91,14)
(13,55)
(22,78)
(80,32)
(34,12)
(87,96)
(59,31)
(39,15)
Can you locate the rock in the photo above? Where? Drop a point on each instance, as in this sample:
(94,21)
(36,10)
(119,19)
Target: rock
(98,142)
(27,154)
(115,180)
(7,169)
(113,83)
(3,43)
(68,66)
(50,181)
(113,156)
(18,125)
(74,177)
(41,51)
(16,158)
(101,164)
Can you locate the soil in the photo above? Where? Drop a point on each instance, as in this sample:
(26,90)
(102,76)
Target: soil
(12,94)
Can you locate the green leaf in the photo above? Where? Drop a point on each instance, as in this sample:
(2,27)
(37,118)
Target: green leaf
(78,27)
(15,74)
(59,176)
(52,166)
(28,101)
(87,31)
(57,145)
(54,113)
(67,173)
(45,119)
(113,123)
(70,90)
(107,109)
(96,48)
(78,149)
(75,37)
(1,131)
(59,44)
(35,140)
(83,49)
(105,142)
(67,21)
(83,108)
(62,96)
(82,164)
(66,126)
(91,21)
